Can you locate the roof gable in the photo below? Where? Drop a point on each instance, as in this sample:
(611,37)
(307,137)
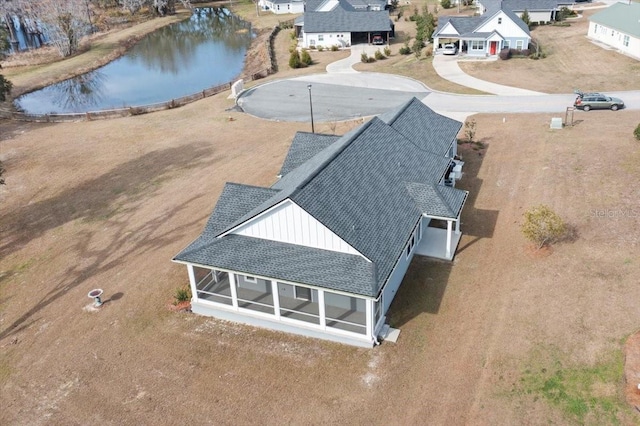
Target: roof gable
(491,23)
(235,200)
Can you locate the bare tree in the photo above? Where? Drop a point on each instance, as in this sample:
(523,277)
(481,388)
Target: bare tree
(133,6)
(65,21)
(164,7)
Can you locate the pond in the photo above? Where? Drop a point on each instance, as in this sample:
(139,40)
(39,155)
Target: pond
(184,58)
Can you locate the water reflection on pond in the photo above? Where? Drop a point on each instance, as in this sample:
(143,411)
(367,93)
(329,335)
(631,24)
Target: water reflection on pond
(177,60)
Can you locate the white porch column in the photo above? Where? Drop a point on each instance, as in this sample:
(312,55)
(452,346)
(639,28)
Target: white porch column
(448,252)
(192,283)
(321,310)
(234,293)
(369,316)
(276,299)
(458,225)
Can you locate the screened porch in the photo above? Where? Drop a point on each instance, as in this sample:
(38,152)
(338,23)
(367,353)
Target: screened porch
(282,301)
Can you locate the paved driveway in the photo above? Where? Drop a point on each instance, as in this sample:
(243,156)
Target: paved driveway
(344,93)
(335,97)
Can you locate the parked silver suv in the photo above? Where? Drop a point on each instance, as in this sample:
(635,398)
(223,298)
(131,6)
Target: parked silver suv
(588,101)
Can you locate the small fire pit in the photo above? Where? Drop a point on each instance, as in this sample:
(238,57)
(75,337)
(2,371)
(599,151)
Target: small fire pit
(95,295)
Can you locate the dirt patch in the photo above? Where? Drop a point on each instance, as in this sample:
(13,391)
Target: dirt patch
(632,370)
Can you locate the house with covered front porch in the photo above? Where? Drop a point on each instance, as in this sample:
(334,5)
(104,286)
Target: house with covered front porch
(483,35)
(323,251)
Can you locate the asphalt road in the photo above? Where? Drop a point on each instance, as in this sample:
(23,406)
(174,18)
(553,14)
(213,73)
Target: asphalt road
(337,97)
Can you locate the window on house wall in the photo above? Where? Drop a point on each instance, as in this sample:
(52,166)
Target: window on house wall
(414,238)
(519,44)
(499,21)
(302,293)
(626,41)
(477,45)
(250,279)
(506,44)
(320,37)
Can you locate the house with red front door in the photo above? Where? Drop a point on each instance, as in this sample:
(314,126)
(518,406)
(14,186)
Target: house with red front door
(484,35)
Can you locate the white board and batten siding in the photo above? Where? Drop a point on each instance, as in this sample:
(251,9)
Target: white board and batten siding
(289,223)
(503,24)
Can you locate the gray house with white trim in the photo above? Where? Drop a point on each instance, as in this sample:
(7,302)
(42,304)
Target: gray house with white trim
(618,26)
(483,35)
(342,23)
(323,251)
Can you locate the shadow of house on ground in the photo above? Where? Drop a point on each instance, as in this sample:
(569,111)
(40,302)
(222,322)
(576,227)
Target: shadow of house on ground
(421,291)
(476,223)
(424,285)
(95,200)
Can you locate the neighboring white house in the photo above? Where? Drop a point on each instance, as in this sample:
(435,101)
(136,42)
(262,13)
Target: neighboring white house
(540,11)
(483,35)
(282,6)
(618,26)
(322,252)
(342,23)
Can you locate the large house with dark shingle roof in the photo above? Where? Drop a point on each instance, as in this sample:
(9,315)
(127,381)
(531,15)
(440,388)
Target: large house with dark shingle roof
(323,251)
(618,26)
(342,23)
(485,35)
(540,11)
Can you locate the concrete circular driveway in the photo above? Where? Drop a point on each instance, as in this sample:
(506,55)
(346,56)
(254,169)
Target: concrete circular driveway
(334,97)
(343,93)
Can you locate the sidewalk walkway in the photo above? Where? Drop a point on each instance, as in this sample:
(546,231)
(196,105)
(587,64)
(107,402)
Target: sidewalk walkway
(345,66)
(447,68)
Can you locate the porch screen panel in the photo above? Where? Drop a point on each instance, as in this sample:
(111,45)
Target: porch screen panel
(345,312)
(254,293)
(212,285)
(299,303)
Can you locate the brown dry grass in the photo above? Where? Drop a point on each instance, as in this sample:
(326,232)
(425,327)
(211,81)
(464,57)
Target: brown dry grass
(108,203)
(572,62)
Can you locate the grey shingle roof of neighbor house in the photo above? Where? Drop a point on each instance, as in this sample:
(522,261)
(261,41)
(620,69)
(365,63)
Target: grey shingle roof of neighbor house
(521,5)
(623,17)
(303,147)
(357,188)
(344,18)
(462,24)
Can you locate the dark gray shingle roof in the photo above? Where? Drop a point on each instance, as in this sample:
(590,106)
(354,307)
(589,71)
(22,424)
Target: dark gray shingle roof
(436,138)
(356,187)
(437,200)
(289,262)
(234,202)
(345,18)
(304,146)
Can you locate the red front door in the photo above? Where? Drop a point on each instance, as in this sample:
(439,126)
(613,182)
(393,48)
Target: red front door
(493,47)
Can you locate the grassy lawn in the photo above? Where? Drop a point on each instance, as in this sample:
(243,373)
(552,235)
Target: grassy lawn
(503,335)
